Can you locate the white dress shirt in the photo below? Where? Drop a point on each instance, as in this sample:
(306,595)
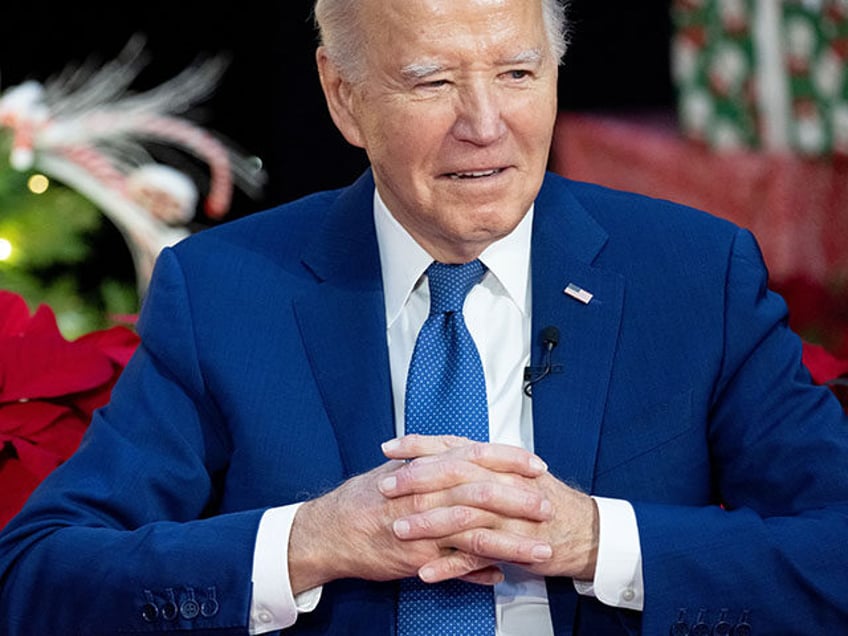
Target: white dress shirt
(497,312)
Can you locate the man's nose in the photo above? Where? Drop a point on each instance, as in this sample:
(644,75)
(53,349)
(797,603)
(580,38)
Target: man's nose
(479,116)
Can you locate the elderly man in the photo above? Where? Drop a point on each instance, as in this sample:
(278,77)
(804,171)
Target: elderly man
(460,396)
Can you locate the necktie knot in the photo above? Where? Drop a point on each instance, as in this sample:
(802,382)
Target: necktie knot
(450,284)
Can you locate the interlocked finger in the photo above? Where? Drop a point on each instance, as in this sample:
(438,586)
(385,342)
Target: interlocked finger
(502,458)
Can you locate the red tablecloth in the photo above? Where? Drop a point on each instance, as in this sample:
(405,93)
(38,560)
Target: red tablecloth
(796,207)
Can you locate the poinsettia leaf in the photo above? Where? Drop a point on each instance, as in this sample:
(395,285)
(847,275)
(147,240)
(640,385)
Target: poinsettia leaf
(14,314)
(822,364)
(43,324)
(118,343)
(27,419)
(36,361)
(88,401)
(55,429)
(38,460)
(36,367)
(63,438)
(16,485)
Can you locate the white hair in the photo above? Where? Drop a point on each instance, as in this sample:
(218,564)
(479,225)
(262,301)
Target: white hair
(343,37)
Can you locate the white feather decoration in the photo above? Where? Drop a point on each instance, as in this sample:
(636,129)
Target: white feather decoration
(87,129)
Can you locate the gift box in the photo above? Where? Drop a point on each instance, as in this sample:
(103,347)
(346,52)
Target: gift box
(764,74)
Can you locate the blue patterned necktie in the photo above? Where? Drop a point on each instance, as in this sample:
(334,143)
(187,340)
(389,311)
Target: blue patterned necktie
(446,394)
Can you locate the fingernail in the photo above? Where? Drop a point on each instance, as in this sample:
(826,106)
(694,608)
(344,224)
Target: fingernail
(387,484)
(427,574)
(546,508)
(538,465)
(401,527)
(390,445)
(542,552)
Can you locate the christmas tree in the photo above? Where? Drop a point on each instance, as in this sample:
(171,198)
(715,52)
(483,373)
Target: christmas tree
(49,235)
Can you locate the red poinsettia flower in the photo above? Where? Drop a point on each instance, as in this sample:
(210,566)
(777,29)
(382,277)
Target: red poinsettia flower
(49,388)
(817,311)
(827,368)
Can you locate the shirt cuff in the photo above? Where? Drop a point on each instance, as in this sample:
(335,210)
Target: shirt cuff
(618,574)
(273,606)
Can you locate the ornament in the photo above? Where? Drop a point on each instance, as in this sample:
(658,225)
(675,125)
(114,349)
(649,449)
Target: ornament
(87,129)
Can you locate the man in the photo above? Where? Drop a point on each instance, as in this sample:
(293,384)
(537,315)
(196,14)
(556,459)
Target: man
(252,472)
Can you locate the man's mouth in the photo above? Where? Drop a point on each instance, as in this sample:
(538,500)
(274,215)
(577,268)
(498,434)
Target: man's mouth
(475,174)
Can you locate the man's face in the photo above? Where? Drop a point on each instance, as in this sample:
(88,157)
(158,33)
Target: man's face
(456,113)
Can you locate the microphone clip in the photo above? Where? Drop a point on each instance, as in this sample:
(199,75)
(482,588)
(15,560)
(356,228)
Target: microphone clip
(533,374)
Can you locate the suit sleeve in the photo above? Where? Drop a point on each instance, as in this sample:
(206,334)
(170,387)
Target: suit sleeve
(121,538)
(772,555)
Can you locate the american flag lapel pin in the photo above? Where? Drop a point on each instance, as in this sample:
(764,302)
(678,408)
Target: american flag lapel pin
(578,293)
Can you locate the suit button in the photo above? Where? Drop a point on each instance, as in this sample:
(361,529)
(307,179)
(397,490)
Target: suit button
(265,617)
(743,627)
(189,609)
(149,612)
(722,628)
(700,629)
(679,628)
(209,607)
(170,611)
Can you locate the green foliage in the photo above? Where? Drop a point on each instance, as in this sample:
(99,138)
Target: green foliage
(57,257)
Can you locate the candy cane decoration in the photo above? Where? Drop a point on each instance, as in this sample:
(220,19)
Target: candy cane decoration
(98,165)
(87,130)
(206,147)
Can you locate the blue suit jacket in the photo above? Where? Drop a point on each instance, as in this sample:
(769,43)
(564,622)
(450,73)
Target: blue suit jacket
(263,379)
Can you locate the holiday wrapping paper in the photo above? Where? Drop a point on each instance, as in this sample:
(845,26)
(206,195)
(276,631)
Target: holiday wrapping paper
(767,74)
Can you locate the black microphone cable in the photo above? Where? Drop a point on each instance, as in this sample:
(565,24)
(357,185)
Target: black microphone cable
(550,339)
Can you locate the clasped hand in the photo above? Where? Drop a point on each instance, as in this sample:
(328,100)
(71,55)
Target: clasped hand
(444,507)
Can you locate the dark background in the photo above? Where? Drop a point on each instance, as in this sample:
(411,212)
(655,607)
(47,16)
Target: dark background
(269,101)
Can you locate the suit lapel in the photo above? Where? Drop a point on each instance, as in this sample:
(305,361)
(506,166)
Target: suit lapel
(568,406)
(342,322)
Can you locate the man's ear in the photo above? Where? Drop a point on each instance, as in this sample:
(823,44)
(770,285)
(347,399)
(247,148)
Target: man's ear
(339,95)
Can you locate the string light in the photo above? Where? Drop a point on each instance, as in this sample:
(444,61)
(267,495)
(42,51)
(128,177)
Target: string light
(38,184)
(5,249)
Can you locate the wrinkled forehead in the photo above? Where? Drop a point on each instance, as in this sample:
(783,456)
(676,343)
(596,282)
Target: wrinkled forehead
(419,33)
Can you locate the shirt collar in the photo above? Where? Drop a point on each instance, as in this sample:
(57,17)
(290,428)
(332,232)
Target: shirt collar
(403,260)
